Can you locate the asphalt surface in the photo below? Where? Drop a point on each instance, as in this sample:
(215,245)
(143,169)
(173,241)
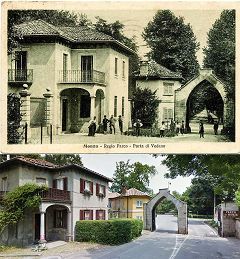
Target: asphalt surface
(202,242)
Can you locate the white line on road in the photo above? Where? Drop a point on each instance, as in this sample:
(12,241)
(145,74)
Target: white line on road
(177,247)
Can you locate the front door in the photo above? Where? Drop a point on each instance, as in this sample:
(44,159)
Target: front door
(87,68)
(64,114)
(21,66)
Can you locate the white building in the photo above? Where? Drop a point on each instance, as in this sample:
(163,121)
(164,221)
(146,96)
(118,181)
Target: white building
(84,71)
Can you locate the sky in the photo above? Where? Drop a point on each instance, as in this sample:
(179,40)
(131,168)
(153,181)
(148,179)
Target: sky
(136,20)
(106,165)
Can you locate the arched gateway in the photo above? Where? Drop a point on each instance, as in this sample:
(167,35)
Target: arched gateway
(149,211)
(183,95)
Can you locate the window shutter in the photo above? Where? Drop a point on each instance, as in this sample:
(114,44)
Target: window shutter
(91,187)
(97,214)
(54,185)
(81,215)
(65,184)
(82,185)
(104,191)
(91,214)
(97,189)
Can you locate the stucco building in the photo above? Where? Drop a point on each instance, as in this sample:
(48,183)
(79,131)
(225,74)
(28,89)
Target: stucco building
(74,193)
(71,74)
(128,204)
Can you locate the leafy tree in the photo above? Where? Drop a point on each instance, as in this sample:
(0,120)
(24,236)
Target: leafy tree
(220,50)
(200,195)
(14,117)
(224,169)
(172,43)
(145,106)
(63,159)
(135,175)
(120,177)
(16,202)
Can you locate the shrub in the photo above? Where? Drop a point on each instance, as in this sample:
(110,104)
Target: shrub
(111,232)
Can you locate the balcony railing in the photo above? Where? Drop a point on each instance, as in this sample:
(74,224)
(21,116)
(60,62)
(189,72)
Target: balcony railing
(78,76)
(52,194)
(20,75)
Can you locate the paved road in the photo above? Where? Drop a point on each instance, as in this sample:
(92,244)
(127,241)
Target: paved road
(83,138)
(201,243)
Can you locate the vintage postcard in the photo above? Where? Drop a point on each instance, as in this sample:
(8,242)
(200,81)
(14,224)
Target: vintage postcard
(128,77)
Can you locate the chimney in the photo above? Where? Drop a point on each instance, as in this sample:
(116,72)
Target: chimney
(143,68)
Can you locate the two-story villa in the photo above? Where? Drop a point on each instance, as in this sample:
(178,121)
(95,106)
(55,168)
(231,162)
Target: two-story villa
(128,204)
(72,74)
(164,81)
(74,193)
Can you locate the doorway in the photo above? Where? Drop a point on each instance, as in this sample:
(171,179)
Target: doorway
(64,114)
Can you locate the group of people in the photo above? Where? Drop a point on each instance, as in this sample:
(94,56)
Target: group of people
(175,127)
(106,123)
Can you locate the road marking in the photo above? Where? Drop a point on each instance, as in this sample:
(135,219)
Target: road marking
(177,247)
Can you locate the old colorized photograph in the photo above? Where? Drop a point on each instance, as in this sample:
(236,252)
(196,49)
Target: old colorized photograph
(123,79)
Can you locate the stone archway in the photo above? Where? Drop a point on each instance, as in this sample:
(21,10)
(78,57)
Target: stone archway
(149,211)
(183,93)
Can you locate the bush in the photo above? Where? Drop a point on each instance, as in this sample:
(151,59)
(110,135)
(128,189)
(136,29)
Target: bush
(111,232)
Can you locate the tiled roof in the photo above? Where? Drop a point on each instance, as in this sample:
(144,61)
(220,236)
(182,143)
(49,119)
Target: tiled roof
(76,34)
(159,71)
(48,165)
(129,192)
(135,192)
(112,195)
(83,33)
(36,162)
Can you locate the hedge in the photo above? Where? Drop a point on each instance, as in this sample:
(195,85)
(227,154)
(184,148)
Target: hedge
(111,232)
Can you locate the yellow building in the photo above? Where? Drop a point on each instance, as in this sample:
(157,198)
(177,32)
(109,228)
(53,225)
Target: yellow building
(129,204)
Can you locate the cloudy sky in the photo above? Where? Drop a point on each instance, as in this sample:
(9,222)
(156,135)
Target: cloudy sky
(136,20)
(106,165)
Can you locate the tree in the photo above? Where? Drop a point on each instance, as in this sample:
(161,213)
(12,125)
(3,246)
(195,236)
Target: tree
(145,106)
(200,195)
(172,43)
(64,159)
(14,117)
(224,169)
(135,175)
(220,50)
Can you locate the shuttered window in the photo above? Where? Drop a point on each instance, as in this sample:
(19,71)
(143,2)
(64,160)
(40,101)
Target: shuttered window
(167,114)
(168,88)
(100,214)
(86,186)
(86,215)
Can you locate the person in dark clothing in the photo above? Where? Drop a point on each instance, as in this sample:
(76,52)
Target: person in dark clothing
(182,128)
(92,127)
(105,124)
(137,125)
(215,127)
(201,129)
(112,124)
(120,123)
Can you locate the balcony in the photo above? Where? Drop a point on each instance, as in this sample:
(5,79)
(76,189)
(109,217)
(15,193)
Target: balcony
(81,77)
(20,76)
(52,194)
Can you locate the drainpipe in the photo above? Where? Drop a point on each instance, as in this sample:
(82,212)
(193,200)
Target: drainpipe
(127,206)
